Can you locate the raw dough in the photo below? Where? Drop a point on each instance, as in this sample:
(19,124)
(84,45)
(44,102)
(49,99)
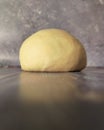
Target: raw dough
(52,50)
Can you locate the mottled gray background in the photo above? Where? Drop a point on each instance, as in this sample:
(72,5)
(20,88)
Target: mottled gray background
(20,18)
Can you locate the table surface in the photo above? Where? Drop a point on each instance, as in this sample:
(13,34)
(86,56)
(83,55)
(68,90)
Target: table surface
(51,101)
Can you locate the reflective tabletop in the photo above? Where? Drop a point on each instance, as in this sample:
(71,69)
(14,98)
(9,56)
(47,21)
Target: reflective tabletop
(51,101)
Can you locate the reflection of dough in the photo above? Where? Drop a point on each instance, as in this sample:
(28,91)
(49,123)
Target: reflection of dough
(54,87)
(38,87)
(52,50)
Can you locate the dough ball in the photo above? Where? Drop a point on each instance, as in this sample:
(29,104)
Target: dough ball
(52,50)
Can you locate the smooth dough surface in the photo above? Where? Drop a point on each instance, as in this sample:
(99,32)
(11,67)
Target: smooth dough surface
(52,50)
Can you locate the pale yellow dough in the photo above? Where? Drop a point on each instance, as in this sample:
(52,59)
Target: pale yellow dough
(52,50)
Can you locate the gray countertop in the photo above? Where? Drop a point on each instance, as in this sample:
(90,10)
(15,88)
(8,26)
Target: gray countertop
(51,101)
